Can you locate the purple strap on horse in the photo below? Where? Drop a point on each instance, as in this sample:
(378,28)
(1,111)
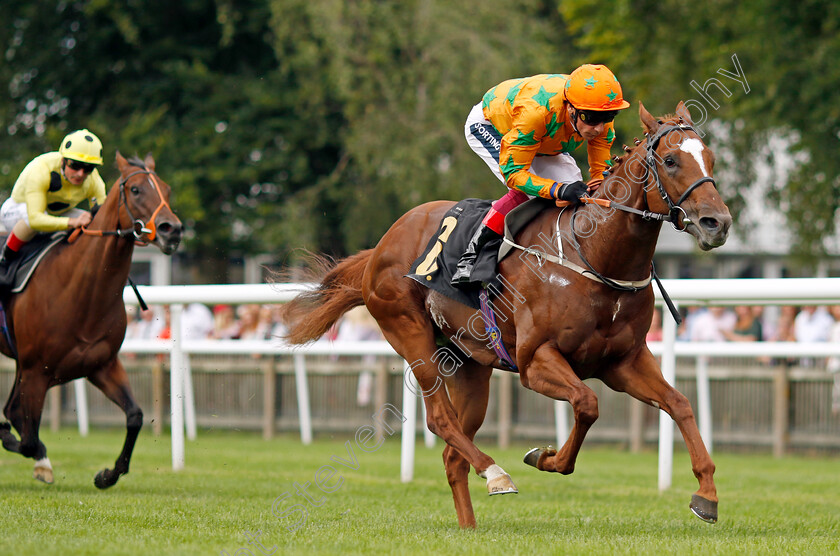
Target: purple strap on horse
(493,331)
(5,326)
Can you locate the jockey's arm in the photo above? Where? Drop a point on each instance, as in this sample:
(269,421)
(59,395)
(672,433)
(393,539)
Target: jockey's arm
(96,196)
(36,187)
(519,147)
(598,152)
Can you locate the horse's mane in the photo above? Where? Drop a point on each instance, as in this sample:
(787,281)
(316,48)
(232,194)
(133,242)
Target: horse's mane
(618,160)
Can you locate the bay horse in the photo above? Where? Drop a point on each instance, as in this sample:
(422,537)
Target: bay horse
(564,319)
(69,322)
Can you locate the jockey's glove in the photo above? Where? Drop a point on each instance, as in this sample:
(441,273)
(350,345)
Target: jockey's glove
(571,192)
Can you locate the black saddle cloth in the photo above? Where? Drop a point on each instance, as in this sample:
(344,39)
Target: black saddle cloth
(435,267)
(14,274)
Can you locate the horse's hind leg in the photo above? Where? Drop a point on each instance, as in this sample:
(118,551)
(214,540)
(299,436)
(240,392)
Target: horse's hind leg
(113,381)
(469,389)
(549,374)
(413,339)
(643,380)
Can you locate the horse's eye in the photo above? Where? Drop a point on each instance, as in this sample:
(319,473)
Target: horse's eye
(670,162)
(135,190)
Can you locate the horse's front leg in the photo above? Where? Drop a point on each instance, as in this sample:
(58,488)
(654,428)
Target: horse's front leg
(112,380)
(642,379)
(550,374)
(23,410)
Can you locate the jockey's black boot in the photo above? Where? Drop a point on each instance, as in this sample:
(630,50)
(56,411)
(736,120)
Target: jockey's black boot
(8,255)
(467,260)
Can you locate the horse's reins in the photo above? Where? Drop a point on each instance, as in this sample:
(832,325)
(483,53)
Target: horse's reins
(673,216)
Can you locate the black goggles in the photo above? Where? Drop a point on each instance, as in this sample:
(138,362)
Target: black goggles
(595,117)
(83,166)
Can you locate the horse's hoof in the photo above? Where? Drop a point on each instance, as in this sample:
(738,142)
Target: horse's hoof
(704,509)
(103,480)
(43,474)
(533,456)
(501,485)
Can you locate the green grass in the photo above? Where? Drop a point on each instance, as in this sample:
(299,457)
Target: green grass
(610,505)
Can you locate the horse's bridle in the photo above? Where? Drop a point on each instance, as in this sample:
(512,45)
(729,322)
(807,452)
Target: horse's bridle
(674,209)
(138,226)
(673,216)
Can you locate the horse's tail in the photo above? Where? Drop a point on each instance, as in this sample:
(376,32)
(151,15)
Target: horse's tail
(311,314)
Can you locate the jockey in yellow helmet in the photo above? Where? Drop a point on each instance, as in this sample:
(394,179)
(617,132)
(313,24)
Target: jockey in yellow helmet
(46,193)
(525,129)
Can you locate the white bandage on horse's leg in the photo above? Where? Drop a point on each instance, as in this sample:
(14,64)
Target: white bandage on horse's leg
(492,472)
(43,463)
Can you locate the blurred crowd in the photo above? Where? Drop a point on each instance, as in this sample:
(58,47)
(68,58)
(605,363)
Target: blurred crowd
(252,322)
(700,324)
(241,322)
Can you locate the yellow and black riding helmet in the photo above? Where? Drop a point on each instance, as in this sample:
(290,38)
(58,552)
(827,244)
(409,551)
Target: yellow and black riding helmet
(83,146)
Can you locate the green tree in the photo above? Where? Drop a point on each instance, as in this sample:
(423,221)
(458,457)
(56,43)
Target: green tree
(196,83)
(406,74)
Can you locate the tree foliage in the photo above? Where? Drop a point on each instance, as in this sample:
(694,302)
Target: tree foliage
(317,123)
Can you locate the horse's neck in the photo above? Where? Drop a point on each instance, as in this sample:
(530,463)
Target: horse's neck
(616,243)
(102,262)
(108,215)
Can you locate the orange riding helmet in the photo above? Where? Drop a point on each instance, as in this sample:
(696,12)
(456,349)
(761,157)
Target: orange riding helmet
(594,87)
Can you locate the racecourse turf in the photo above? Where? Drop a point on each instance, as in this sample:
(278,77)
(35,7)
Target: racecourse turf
(610,505)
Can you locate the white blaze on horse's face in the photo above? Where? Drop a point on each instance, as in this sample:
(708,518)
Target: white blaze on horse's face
(695,147)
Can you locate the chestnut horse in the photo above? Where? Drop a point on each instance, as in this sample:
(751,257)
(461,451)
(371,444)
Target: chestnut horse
(583,314)
(70,320)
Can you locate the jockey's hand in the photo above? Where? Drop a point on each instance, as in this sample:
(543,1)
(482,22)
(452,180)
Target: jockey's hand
(572,192)
(79,221)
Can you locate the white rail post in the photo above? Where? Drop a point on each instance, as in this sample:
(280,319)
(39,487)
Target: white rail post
(704,403)
(409,426)
(81,406)
(302,387)
(666,424)
(189,397)
(176,386)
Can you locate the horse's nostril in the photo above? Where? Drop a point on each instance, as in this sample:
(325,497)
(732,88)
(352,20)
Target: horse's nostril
(170,230)
(710,224)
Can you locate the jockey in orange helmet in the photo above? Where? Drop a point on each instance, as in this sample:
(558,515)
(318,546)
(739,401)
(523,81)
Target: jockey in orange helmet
(46,193)
(525,129)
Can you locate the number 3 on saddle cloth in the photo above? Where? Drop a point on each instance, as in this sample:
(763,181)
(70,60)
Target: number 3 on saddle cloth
(435,267)
(14,275)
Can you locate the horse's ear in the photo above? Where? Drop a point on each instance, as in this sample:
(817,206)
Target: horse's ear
(122,163)
(649,123)
(683,113)
(149,162)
